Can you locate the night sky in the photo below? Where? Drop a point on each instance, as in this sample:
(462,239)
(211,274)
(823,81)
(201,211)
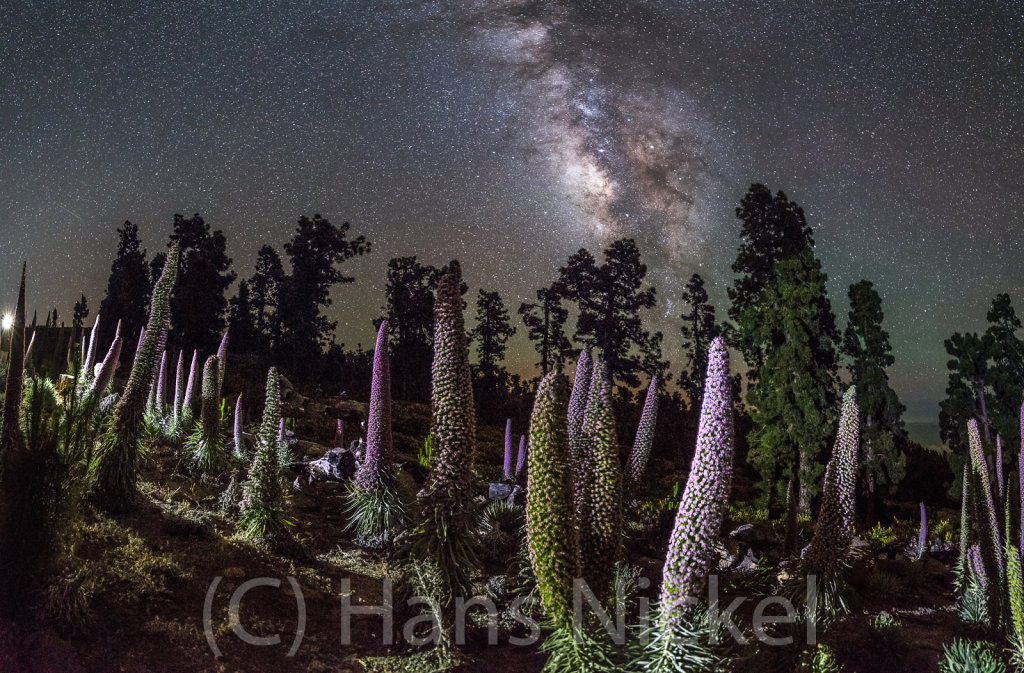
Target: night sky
(510,134)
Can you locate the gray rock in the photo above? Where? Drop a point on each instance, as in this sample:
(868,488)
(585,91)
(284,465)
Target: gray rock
(498,491)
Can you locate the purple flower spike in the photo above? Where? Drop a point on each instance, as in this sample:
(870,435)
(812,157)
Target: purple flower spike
(922,533)
(90,353)
(106,370)
(521,458)
(190,388)
(578,408)
(707,489)
(507,467)
(376,470)
(239,440)
(999,466)
(644,437)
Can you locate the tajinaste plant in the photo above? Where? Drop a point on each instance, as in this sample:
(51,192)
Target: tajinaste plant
(988,529)
(375,506)
(507,465)
(179,395)
(222,361)
(922,533)
(705,496)
(1020,477)
(999,468)
(205,444)
(550,535)
(161,385)
(599,487)
(105,374)
(117,467)
(262,508)
(644,438)
(188,408)
(339,433)
(240,447)
(826,556)
(90,351)
(577,411)
(521,456)
(448,527)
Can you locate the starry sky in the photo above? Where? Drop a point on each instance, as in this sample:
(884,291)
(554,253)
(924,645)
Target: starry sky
(510,133)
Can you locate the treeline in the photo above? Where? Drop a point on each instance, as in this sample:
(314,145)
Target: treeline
(780,319)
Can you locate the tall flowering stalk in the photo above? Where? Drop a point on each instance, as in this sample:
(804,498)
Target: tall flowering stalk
(704,498)
(507,464)
(644,438)
(922,533)
(521,456)
(179,394)
(577,410)
(550,535)
(188,408)
(240,451)
(90,351)
(117,467)
(222,360)
(377,470)
(989,537)
(999,468)
(599,486)
(205,443)
(449,516)
(106,371)
(261,512)
(1020,477)
(827,553)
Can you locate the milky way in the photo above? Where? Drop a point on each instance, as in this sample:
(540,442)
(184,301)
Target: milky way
(510,133)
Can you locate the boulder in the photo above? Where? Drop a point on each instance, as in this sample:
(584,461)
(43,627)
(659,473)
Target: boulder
(337,465)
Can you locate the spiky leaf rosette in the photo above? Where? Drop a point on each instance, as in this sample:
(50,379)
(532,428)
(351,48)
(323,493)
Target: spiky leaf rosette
(205,443)
(447,533)
(262,507)
(644,438)
(377,469)
(10,434)
(506,467)
(549,530)
(599,487)
(826,555)
(106,372)
(117,465)
(578,408)
(699,516)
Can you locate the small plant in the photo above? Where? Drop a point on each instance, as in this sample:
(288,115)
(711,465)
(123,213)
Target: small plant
(970,656)
(424,453)
(819,660)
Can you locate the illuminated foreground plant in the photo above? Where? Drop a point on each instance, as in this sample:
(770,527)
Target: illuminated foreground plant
(117,467)
(262,508)
(206,444)
(375,507)
(644,438)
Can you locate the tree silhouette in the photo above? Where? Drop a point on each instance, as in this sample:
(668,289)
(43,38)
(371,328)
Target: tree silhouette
(491,333)
(609,298)
(545,326)
(265,286)
(867,346)
(128,289)
(698,329)
(317,246)
(198,304)
(409,307)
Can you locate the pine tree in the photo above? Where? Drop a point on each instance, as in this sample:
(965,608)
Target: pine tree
(545,323)
(128,287)
(866,345)
(317,246)
(698,329)
(246,338)
(794,394)
(491,333)
(198,303)
(609,298)
(968,393)
(409,307)
(265,285)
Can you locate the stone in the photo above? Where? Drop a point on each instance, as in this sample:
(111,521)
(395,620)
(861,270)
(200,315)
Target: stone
(498,491)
